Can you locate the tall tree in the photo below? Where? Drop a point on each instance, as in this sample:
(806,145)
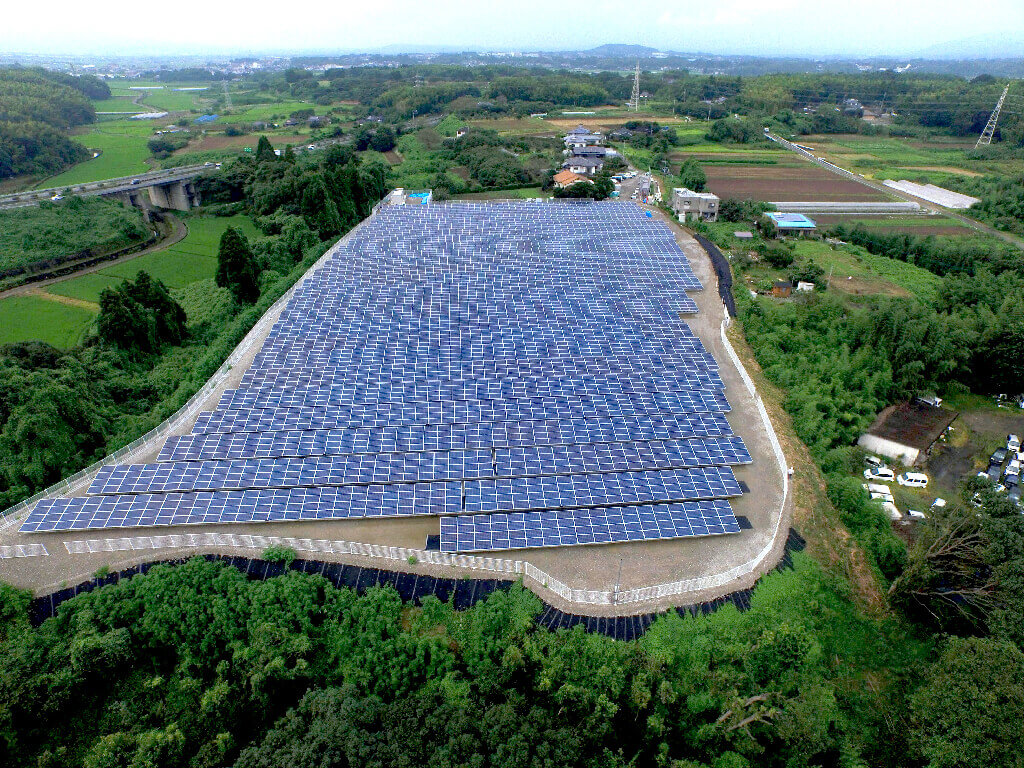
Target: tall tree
(264,151)
(319,209)
(236,267)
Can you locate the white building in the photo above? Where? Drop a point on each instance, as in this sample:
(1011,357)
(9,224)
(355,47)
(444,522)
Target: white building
(688,204)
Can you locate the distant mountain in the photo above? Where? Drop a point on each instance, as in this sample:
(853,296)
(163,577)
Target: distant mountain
(621,49)
(1005,45)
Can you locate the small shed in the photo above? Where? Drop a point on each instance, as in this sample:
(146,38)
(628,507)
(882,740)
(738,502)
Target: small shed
(906,432)
(803,285)
(792,223)
(782,289)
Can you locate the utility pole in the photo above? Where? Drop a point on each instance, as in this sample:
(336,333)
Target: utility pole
(990,126)
(635,101)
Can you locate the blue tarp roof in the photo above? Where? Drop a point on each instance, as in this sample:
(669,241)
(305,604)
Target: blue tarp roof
(791,221)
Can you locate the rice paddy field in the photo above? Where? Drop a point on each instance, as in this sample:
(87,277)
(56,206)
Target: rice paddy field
(25,318)
(59,313)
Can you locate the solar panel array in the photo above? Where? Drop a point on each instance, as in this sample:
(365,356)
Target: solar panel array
(522,371)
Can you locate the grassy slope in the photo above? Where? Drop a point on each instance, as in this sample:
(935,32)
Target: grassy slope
(32,234)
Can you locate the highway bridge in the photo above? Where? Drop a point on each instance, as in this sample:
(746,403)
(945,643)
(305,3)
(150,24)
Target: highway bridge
(172,188)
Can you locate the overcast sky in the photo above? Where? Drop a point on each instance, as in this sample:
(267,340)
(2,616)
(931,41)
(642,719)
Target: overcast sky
(718,26)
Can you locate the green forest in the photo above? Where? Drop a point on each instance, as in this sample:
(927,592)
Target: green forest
(37,107)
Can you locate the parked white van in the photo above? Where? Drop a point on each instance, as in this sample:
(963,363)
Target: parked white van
(874,461)
(882,497)
(876,488)
(913,479)
(884,474)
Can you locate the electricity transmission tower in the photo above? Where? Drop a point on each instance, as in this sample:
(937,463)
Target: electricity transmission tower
(990,126)
(634,102)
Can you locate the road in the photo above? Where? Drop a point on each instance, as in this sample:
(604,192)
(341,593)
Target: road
(106,186)
(126,183)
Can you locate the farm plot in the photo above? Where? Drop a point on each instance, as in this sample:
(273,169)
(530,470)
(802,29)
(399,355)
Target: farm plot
(123,152)
(801,183)
(32,318)
(911,225)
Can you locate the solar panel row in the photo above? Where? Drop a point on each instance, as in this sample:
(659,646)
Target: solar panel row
(556,528)
(367,468)
(522,371)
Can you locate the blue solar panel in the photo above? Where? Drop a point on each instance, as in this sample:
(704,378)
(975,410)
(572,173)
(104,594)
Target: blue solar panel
(567,491)
(439,437)
(279,504)
(527,530)
(455,359)
(364,468)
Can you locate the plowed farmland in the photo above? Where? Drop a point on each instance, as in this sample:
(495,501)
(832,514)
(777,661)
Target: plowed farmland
(804,183)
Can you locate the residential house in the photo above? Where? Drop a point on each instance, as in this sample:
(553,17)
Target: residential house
(567,178)
(688,204)
(585,166)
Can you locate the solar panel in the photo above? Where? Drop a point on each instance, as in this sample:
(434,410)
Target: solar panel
(428,466)
(554,528)
(478,360)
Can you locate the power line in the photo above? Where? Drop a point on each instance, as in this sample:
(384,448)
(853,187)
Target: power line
(635,101)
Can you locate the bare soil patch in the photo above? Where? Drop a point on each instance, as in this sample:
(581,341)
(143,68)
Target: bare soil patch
(806,183)
(220,141)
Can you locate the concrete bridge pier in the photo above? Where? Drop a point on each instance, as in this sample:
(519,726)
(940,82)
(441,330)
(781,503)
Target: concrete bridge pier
(178,195)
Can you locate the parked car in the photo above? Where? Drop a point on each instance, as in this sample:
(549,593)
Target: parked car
(939,503)
(882,497)
(876,488)
(1011,480)
(1014,494)
(136,181)
(994,471)
(1012,443)
(998,457)
(874,461)
(881,474)
(913,480)
(931,400)
(57,197)
(915,515)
